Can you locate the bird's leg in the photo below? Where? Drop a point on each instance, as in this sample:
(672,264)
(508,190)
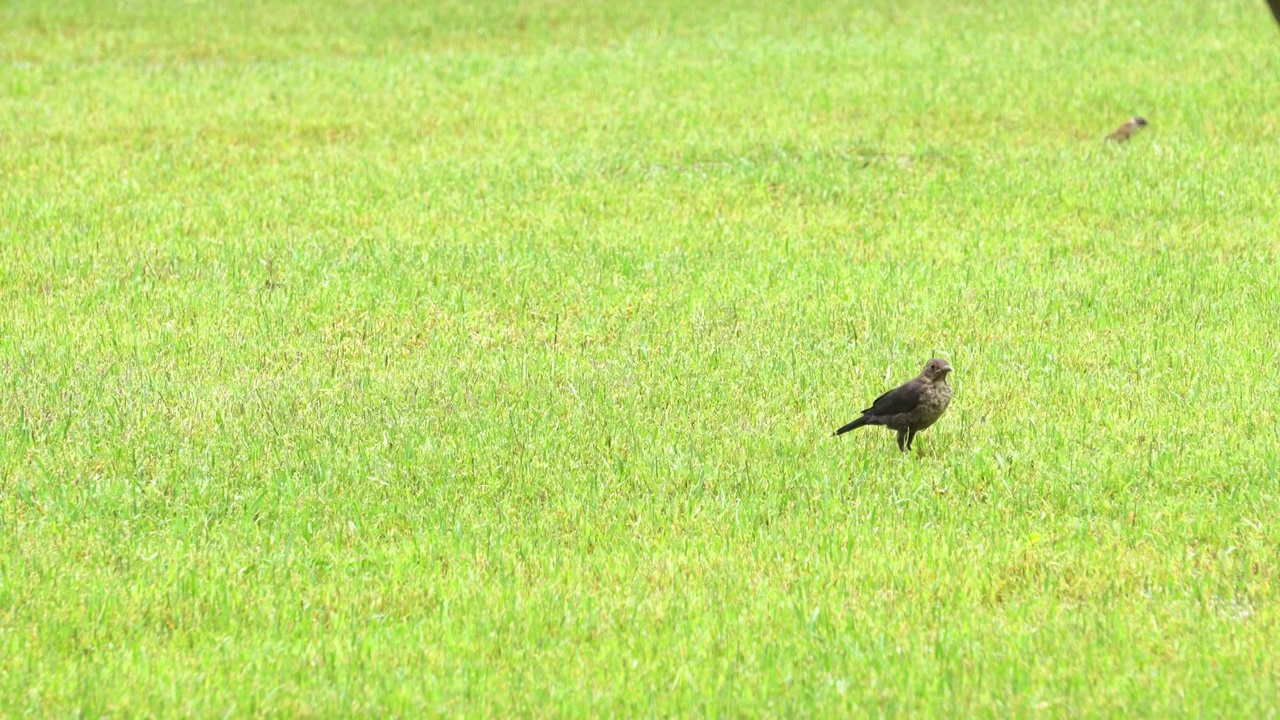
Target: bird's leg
(911,435)
(902,436)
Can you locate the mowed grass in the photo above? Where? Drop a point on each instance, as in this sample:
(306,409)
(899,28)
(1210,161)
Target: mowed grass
(407,359)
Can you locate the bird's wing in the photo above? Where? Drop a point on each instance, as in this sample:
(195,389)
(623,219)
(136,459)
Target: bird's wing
(901,399)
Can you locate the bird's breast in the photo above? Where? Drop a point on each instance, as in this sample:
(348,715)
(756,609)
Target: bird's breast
(936,399)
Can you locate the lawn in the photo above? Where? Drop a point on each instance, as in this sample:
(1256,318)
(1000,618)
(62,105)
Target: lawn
(482,359)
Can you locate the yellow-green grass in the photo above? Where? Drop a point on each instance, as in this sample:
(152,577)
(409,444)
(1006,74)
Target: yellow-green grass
(482,358)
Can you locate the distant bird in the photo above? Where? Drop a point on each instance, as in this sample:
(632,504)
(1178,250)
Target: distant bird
(1127,130)
(911,407)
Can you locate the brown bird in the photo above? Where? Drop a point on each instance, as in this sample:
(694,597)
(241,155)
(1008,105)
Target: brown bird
(1127,130)
(911,407)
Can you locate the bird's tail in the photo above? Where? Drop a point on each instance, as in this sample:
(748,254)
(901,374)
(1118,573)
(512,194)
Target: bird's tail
(854,425)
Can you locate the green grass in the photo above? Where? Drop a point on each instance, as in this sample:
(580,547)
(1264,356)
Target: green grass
(482,358)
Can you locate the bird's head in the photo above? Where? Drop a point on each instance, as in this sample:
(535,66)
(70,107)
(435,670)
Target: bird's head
(936,370)
(1139,121)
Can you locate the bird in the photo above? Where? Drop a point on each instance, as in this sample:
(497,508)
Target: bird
(911,407)
(1127,130)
